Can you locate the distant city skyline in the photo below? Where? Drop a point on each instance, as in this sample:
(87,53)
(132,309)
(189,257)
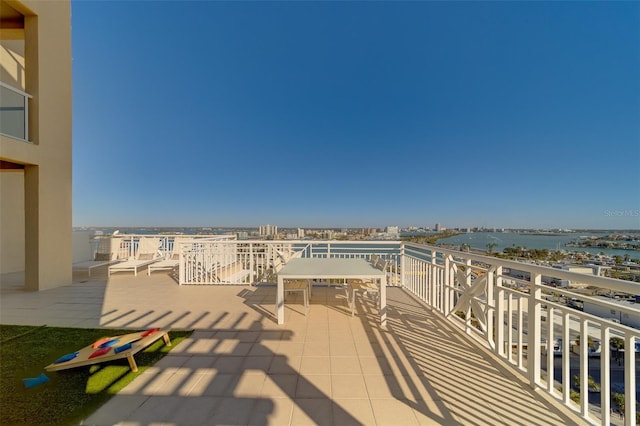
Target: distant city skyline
(381,229)
(357,114)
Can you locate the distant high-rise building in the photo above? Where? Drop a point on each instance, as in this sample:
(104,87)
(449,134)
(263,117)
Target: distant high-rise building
(438,227)
(328,234)
(369,231)
(300,233)
(268,230)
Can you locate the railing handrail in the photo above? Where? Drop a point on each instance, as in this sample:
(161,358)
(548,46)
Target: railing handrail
(512,316)
(629,287)
(15,89)
(507,314)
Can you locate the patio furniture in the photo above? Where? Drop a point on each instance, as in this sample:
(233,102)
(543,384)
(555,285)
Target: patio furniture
(106,254)
(146,254)
(125,346)
(169,263)
(299,287)
(315,268)
(358,287)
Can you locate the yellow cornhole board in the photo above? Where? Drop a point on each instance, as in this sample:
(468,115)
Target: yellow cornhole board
(111,348)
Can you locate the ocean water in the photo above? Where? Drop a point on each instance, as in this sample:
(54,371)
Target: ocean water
(479,241)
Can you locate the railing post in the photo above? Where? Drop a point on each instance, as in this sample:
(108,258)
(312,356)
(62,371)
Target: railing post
(584,367)
(520,334)
(566,356)
(446,288)
(402,264)
(132,248)
(26,118)
(510,327)
(467,281)
(491,308)
(434,278)
(605,379)
(550,349)
(182,266)
(629,380)
(500,307)
(419,279)
(533,330)
(252,272)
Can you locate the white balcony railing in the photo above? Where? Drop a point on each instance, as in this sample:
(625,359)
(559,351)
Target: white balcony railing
(14,112)
(238,262)
(512,308)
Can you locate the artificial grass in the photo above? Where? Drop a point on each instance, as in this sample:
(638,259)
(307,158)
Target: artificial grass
(71,395)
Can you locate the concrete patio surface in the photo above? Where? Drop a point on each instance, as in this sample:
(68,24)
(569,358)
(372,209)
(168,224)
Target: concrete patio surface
(328,368)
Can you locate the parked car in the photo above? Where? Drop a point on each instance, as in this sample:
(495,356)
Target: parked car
(596,350)
(556,347)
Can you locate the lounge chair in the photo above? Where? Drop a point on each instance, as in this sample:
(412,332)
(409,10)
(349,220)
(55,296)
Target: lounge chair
(287,256)
(106,254)
(355,287)
(169,263)
(146,254)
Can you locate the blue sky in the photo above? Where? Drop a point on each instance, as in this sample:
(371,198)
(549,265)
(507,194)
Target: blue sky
(346,114)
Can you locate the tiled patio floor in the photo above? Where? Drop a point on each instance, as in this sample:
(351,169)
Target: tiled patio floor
(239,367)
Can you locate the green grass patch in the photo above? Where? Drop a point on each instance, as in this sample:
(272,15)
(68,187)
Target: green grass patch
(71,395)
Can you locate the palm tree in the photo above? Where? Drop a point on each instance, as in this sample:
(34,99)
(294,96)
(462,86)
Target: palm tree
(490,247)
(618,401)
(616,342)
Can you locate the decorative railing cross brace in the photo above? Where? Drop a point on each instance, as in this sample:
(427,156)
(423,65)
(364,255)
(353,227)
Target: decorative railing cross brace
(467,299)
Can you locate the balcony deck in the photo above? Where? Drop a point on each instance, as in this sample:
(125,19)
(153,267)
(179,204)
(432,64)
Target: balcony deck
(240,367)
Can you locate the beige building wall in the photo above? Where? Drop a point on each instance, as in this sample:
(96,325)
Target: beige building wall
(43,70)
(12,221)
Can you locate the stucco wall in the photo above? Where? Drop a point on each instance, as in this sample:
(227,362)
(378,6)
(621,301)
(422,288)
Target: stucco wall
(82,249)
(12,63)
(11,221)
(47,194)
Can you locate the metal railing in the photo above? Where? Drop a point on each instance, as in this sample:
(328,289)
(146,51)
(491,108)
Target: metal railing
(515,310)
(14,112)
(252,261)
(127,244)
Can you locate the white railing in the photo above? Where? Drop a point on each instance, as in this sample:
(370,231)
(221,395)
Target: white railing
(14,112)
(210,261)
(513,309)
(254,261)
(127,244)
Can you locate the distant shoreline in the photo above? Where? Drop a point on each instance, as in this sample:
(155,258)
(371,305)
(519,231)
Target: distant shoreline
(531,231)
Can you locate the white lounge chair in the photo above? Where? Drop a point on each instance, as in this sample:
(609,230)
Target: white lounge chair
(168,263)
(288,255)
(106,254)
(146,254)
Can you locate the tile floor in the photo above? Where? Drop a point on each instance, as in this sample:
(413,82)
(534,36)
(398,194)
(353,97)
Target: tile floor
(327,368)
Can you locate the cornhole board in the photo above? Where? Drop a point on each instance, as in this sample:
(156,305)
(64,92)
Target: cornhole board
(138,341)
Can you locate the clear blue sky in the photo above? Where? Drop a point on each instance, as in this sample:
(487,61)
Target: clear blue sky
(497,114)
